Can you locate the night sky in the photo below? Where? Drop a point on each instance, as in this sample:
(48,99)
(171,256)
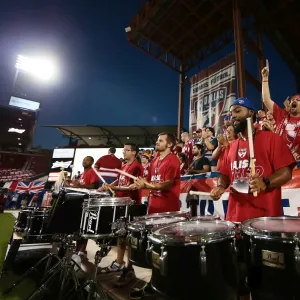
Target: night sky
(102,78)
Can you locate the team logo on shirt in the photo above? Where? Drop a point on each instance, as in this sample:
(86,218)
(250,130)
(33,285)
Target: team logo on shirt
(242,152)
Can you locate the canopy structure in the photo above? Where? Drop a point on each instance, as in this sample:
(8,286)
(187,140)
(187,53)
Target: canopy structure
(183,33)
(95,135)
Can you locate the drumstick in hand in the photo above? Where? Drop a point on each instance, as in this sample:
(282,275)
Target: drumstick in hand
(199,193)
(103,180)
(132,177)
(251,149)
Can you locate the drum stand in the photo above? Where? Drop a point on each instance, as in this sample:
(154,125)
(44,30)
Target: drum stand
(92,283)
(63,271)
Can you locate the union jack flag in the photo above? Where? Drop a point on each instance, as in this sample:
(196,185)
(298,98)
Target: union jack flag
(30,187)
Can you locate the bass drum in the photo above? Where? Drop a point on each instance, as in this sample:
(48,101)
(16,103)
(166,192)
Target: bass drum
(195,258)
(139,250)
(271,247)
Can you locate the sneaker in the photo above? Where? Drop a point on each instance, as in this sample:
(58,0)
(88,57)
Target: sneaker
(146,291)
(114,267)
(77,259)
(126,277)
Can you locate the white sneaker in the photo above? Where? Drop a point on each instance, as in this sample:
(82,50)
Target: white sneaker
(114,267)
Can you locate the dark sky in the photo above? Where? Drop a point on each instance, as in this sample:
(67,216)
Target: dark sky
(102,79)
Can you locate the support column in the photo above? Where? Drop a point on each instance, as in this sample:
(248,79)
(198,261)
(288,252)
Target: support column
(239,51)
(261,62)
(180,102)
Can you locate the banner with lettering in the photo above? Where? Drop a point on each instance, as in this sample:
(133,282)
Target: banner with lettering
(212,92)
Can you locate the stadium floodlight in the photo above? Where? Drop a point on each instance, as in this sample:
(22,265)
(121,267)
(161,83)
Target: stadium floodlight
(38,67)
(20,131)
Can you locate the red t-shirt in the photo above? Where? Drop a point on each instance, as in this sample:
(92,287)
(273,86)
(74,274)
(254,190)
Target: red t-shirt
(162,170)
(135,169)
(288,127)
(188,150)
(271,154)
(88,177)
(109,161)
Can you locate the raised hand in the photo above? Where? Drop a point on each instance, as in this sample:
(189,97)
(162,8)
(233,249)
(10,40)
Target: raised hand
(265,71)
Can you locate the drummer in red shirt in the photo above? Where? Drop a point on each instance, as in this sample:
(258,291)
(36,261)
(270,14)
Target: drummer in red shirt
(163,181)
(121,186)
(274,164)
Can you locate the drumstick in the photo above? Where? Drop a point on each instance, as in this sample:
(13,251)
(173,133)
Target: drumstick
(132,177)
(199,193)
(103,180)
(251,149)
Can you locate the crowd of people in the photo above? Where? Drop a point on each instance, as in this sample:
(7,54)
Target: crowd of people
(255,181)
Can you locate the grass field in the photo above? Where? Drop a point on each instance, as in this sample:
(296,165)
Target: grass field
(26,287)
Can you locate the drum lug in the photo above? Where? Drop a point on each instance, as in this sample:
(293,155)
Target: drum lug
(203,260)
(163,262)
(233,245)
(252,248)
(149,247)
(297,258)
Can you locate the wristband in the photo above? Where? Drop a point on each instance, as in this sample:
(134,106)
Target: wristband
(265,80)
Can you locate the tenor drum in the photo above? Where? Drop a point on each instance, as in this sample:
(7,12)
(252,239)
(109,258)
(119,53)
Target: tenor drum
(195,258)
(273,257)
(139,249)
(100,214)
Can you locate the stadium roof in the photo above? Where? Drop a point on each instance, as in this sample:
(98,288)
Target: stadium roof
(189,31)
(95,135)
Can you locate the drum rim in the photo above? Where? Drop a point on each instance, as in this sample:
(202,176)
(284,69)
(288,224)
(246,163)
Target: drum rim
(195,239)
(266,234)
(108,201)
(196,218)
(137,225)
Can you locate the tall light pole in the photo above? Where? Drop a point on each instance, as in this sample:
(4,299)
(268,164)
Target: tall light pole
(40,68)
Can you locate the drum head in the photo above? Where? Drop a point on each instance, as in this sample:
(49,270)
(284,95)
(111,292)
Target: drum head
(109,201)
(195,231)
(273,227)
(205,218)
(153,223)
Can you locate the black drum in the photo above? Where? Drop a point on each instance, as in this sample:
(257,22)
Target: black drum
(36,223)
(66,211)
(138,236)
(195,260)
(99,216)
(21,221)
(273,257)
(205,218)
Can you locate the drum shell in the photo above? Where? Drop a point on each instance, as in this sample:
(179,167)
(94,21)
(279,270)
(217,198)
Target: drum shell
(138,254)
(184,279)
(21,221)
(270,282)
(36,223)
(97,220)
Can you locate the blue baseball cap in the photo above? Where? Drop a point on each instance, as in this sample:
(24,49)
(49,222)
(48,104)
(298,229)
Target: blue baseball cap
(226,118)
(245,102)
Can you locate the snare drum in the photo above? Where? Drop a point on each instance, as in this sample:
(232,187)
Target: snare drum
(273,257)
(138,240)
(21,221)
(100,214)
(195,258)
